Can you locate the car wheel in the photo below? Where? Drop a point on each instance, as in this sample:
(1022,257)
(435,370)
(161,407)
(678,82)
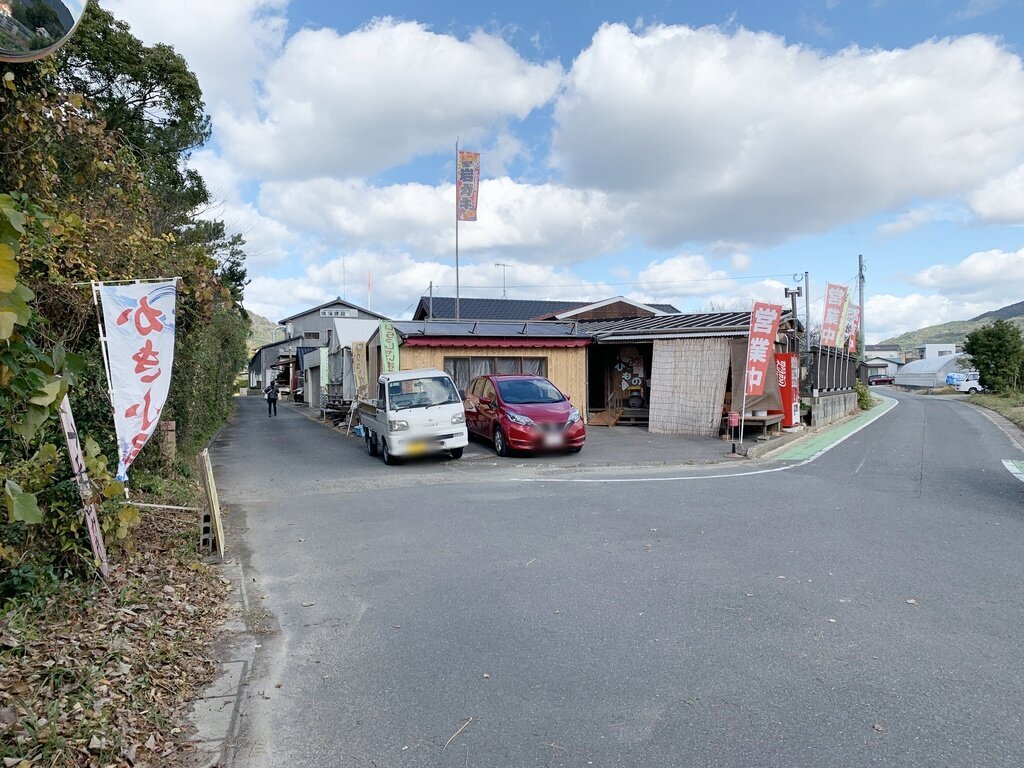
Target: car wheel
(972,391)
(500,446)
(457,453)
(386,454)
(371,444)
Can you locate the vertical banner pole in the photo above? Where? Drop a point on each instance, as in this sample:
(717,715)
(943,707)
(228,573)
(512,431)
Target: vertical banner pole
(103,339)
(458,314)
(92,523)
(746,357)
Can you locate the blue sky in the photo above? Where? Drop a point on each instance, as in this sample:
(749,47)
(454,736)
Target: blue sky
(694,153)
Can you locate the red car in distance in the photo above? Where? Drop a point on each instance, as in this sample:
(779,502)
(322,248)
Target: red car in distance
(523,413)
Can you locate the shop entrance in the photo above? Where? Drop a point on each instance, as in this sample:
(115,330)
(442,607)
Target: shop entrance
(619,387)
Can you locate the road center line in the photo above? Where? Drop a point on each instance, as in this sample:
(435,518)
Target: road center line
(889,404)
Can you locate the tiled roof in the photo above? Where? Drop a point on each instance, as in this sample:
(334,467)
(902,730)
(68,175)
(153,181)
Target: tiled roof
(502,309)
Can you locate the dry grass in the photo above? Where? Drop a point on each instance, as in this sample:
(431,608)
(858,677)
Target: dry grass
(1010,405)
(95,674)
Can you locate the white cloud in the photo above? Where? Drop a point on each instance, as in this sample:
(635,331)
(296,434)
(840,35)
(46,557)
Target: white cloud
(978,283)
(354,104)
(539,223)
(988,275)
(399,280)
(268,241)
(1001,200)
(741,137)
(976,8)
(227,43)
(682,276)
(887,315)
(906,222)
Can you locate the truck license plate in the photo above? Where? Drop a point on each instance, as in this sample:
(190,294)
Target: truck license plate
(552,440)
(416,449)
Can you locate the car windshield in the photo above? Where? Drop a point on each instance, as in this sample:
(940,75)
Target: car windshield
(422,393)
(523,391)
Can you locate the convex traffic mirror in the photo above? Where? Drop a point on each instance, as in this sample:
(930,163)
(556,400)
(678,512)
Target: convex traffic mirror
(31,29)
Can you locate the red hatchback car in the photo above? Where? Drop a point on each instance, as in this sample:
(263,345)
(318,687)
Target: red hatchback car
(523,413)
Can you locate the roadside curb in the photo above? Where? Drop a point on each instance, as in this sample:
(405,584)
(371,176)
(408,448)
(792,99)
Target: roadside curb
(215,712)
(760,450)
(885,405)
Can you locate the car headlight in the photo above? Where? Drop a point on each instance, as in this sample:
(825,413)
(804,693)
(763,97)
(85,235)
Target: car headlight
(574,416)
(459,418)
(397,425)
(516,418)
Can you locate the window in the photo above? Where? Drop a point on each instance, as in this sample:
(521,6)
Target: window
(465,369)
(311,335)
(423,392)
(523,391)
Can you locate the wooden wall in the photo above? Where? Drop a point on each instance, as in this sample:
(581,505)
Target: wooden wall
(567,367)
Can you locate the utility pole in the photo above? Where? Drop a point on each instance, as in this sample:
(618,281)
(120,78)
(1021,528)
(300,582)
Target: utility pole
(807,311)
(504,268)
(860,286)
(792,294)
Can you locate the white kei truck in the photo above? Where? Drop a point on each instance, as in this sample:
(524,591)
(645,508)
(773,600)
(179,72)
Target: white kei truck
(415,413)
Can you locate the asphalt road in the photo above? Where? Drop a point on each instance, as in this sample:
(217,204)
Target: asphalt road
(864,609)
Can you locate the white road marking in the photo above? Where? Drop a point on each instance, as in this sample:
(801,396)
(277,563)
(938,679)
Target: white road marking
(786,468)
(1015,467)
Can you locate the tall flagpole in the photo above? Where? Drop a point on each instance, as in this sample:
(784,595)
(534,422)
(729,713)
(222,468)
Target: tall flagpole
(457,294)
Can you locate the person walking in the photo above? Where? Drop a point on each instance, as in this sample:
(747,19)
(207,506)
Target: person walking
(272,393)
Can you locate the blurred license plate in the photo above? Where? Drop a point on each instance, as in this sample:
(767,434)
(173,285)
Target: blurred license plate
(416,449)
(552,439)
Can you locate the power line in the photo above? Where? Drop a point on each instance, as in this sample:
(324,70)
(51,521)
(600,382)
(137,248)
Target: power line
(599,284)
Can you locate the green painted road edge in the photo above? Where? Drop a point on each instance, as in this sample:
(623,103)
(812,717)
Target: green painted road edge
(813,446)
(1015,467)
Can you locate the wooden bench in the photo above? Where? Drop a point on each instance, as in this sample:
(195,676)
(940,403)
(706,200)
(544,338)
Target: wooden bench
(765,422)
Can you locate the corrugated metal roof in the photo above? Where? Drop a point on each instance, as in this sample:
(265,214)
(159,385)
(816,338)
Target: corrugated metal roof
(690,324)
(490,329)
(503,309)
(669,336)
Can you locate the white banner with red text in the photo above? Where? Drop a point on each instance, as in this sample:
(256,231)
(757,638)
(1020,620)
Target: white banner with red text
(138,322)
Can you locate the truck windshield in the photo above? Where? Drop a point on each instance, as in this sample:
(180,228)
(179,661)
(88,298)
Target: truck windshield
(422,393)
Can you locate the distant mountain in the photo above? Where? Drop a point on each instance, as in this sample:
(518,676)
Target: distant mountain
(956,331)
(1006,313)
(262,331)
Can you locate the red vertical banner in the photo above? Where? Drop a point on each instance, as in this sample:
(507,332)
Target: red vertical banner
(764,327)
(835,298)
(467,185)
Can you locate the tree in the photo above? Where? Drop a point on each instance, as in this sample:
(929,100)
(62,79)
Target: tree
(148,96)
(997,351)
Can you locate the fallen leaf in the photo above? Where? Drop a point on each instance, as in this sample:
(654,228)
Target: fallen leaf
(151,743)
(911,601)
(95,744)
(308,605)
(879,727)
